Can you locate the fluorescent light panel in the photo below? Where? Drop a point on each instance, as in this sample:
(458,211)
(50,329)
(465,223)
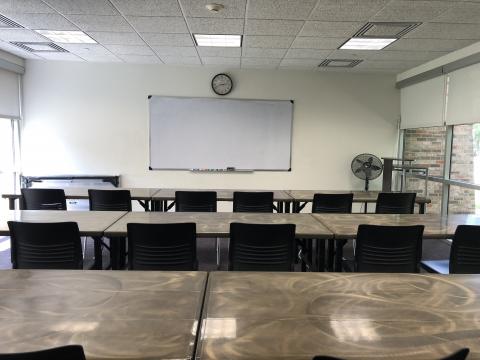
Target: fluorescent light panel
(218,40)
(367,43)
(72,37)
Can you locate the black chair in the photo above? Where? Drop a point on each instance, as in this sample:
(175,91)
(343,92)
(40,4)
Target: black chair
(162,247)
(395,203)
(45,245)
(389,249)
(464,253)
(244,201)
(43,199)
(196,201)
(69,352)
(332,203)
(262,247)
(110,200)
(458,355)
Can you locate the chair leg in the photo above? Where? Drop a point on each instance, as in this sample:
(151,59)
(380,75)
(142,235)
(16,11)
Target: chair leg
(97,248)
(217,246)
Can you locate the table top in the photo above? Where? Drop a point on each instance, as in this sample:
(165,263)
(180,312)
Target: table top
(218,224)
(112,314)
(358,196)
(353,316)
(82,193)
(90,223)
(222,194)
(345,226)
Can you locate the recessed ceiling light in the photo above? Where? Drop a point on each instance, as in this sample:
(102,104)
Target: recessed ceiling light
(366,44)
(39,47)
(215,8)
(72,37)
(343,63)
(218,40)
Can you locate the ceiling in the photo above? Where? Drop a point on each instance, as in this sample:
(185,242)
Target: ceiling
(297,34)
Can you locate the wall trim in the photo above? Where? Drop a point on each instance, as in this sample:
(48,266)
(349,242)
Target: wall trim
(10,66)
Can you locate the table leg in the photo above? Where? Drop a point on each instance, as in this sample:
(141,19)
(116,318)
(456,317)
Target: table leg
(330,254)
(279,207)
(421,208)
(339,244)
(97,248)
(287,206)
(320,255)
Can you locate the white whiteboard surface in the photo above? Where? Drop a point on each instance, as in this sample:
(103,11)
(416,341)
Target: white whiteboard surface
(422,104)
(210,133)
(463,105)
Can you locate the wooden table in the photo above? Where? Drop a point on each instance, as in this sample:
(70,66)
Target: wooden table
(354,316)
(302,197)
(113,315)
(90,223)
(345,226)
(163,196)
(142,195)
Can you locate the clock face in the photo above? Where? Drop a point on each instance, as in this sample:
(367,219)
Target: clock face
(222,84)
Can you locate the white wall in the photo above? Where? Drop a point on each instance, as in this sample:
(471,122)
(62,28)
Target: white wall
(92,118)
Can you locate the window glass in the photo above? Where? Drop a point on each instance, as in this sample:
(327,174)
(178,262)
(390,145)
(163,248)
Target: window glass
(9,151)
(466,153)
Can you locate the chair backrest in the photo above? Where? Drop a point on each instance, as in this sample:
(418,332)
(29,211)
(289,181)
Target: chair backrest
(395,203)
(459,355)
(162,247)
(110,200)
(45,245)
(465,250)
(70,352)
(332,203)
(389,249)
(244,201)
(198,201)
(262,247)
(43,199)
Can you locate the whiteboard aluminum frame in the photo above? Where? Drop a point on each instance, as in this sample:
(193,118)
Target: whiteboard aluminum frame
(217,171)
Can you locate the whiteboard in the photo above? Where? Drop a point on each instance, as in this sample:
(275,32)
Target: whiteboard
(210,133)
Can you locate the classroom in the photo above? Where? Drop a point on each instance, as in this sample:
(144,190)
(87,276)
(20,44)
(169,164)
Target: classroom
(239,179)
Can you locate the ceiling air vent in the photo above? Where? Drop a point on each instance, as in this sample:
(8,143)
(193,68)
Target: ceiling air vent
(385,29)
(6,23)
(339,63)
(39,46)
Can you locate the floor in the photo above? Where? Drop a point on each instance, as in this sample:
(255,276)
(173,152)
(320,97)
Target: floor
(432,250)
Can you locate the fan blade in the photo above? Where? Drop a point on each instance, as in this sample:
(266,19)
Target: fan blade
(370,160)
(359,170)
(375,167)
(359,161)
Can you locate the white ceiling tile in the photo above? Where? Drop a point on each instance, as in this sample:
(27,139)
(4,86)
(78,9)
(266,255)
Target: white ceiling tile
(330,29)
(310,42)
(148,7)
(21,35)
(429,44)
(232,8)
(211,51)
(140,59)
(407,55)
(154,39)
(101,58)
(176,51)
(88,7)
(446,31)
(268,41)
(41,21)
(307,54)
(280,9)
(86,49)
(130,49)
(59,56)
(217,60)
(352,54)
(114,38)
(263,53)
(215,26)
(388,64)
(25,6)
(273,27)
(462,12)
(260,63)
(101,23)
(412,10)
(183,60)
(155,24)
(310,64)
(347,10)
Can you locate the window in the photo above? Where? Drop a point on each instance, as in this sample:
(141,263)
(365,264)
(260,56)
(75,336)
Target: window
(9,155)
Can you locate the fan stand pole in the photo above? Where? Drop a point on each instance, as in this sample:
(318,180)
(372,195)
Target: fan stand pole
(366,184)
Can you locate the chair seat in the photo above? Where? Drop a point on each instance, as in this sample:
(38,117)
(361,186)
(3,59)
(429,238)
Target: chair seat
(436,266)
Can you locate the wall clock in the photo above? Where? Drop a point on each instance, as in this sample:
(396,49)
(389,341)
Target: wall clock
(222,84)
